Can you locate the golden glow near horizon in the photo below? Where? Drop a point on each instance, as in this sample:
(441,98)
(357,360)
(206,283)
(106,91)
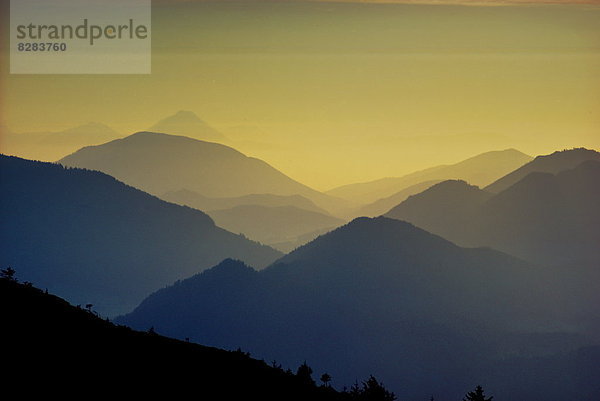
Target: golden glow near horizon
(334,93)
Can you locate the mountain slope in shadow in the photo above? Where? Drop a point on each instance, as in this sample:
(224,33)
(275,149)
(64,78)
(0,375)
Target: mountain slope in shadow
(545,218)
(478,170)
(58,349)
(382,296)
(159,163)
(92,239)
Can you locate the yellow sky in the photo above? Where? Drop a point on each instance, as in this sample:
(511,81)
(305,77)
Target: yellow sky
(337,93)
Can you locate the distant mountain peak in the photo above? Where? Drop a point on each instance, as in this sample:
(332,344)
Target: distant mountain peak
(187,123)
(185,115)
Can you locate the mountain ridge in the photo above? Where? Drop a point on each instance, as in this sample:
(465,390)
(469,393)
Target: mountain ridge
(159,163)
(111,234)
(545,218)
(80,338)
(480,169)
(552,163)
(377,288)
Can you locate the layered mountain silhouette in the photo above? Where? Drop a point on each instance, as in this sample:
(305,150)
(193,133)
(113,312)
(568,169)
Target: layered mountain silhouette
(280,227)
(50,146)
(92,239)
(159,163)
(197,201)
(187,123)
(59,350)
(553,163)
(479,170)
(545,218)
(383,296)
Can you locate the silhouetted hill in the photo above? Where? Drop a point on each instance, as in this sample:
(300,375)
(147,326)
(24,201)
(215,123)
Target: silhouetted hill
(193,199)
(384,297)
(553,163)
(160,163)
(92,239)
(478,170)
(273,225)
(50,146)
(187,123)
(546,218)
(51,348)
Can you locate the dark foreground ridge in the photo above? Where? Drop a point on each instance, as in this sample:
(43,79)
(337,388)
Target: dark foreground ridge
(52,347)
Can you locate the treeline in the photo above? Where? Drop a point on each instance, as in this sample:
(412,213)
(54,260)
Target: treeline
(71,350)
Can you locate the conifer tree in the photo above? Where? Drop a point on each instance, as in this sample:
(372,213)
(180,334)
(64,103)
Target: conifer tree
(476,395)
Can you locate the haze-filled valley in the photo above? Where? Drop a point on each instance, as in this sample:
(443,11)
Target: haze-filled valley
(313,200)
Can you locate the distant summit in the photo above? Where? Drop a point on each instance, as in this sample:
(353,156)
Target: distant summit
(553,163)
(187,123)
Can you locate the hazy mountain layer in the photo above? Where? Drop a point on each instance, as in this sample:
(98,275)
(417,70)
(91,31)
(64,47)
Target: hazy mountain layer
(545,218)
(92,239)
(200,202)
(160,163)
(51,146)
(553,163)
(385,297)
(479,170)
(273,225)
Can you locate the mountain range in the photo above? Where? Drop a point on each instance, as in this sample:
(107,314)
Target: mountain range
(383,296)
(553,163)
(482,169)
(160,163)
(543,217)
(92,239)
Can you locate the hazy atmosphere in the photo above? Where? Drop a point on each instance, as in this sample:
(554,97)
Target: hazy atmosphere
(335,93)
(301,199)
